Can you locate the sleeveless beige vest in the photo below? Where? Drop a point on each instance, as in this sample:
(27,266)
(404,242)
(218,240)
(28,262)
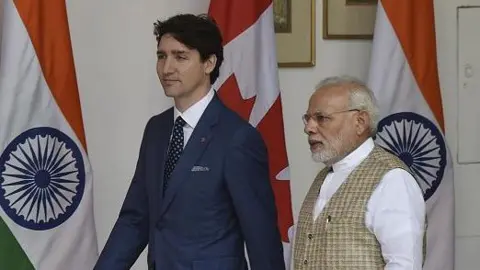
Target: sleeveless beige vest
(338,238)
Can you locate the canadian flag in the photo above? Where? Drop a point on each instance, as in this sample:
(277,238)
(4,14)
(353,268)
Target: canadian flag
(248,84)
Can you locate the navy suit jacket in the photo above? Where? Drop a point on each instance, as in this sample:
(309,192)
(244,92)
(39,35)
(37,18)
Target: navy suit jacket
(218,199)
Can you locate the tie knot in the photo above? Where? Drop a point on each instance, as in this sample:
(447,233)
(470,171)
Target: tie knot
(180,122)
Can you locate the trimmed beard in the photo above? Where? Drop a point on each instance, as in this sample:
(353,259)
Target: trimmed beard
(333,153)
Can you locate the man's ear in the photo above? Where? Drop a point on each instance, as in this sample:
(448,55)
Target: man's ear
(210,63)
(362,122)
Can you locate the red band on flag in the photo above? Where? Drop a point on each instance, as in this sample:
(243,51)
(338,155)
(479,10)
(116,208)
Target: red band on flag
(235,16)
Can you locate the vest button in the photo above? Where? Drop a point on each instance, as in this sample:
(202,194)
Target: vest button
(310,236)
(305,262)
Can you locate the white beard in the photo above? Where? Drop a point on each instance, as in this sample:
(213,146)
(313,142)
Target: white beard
(334,151)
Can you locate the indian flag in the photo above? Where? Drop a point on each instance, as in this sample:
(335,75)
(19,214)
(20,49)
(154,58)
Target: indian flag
(403,75)
(46,210)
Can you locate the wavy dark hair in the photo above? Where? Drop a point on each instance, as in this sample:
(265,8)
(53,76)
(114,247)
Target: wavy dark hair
(198,32)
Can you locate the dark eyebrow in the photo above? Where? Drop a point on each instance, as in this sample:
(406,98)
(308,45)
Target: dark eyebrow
(174,52)
(179,52)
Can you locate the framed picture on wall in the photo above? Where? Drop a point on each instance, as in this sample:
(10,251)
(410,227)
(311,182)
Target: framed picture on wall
(282,11)
(295,32)
(349,19)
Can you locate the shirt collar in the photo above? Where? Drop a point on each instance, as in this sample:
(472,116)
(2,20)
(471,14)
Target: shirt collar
(355,157)
(193,113)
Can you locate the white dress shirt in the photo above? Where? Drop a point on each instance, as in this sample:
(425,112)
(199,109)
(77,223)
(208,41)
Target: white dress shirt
(192,115)
(395,212)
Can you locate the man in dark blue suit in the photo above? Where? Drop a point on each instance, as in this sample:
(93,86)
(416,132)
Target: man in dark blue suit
(201,188)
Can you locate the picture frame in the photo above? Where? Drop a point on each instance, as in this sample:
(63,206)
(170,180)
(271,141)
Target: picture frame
(361,2)
(295,32)
(349,19)
(282,12)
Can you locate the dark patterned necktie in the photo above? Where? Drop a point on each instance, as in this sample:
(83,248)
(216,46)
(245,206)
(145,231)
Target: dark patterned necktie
(175,150)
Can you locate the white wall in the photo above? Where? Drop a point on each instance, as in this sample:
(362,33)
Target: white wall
(467,220)
(114,51)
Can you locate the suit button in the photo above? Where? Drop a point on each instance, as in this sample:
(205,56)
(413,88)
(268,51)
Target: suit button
(305,262)
(310,236)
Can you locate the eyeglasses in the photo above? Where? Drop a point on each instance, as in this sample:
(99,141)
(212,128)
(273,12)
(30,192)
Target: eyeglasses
(321,118)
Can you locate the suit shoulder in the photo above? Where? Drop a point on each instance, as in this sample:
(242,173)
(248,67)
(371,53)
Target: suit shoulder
(238,130)
(235,122)
(166,115)
(157,121)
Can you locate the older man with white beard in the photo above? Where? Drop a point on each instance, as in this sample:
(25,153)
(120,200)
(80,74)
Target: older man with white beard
(364,210)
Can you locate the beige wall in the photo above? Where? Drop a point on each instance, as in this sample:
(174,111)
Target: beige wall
(114,52)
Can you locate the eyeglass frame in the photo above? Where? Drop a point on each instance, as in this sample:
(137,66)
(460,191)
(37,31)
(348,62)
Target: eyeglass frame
(324,117)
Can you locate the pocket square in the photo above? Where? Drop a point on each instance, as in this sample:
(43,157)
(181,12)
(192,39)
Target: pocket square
(200,169)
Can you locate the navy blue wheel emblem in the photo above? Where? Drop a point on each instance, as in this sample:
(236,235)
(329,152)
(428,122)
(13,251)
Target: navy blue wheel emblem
(419,144)
(42,178)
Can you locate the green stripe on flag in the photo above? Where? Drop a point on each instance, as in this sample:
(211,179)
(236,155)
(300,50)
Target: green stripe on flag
(12,256)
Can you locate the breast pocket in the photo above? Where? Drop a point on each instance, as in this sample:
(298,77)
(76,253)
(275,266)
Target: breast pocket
(340,225)
(205,181)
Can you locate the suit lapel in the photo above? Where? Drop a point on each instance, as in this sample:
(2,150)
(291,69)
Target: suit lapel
(160,151)
(198,142)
